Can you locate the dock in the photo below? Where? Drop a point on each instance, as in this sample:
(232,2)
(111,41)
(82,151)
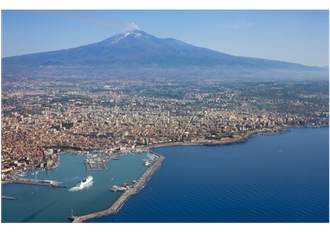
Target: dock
(126,195)
(95,166)
(92,165)
(119,189)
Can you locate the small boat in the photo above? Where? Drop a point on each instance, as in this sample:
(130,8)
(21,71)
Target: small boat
(125,185)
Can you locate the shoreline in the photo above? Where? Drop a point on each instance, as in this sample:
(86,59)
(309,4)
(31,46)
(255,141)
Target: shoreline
(196,143)
(117,205)
(228,141)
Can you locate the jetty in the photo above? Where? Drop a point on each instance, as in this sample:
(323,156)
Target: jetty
(9,198)
(49,183)
(126,195)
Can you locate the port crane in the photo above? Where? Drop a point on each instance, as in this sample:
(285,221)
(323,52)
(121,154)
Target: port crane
(36,176)
(23,174)
(32,173)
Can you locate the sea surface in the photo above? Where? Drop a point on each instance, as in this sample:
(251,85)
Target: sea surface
(270,178)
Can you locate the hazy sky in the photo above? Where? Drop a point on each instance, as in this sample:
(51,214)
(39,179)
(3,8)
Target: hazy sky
(298,36)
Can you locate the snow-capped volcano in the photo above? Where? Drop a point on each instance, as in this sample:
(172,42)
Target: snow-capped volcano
(136,51)
(136,34)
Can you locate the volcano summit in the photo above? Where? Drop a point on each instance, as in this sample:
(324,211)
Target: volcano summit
(136,54)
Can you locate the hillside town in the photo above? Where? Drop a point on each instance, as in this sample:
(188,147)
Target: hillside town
(41,119)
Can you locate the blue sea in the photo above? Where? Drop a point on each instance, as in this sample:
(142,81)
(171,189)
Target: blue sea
(269,178)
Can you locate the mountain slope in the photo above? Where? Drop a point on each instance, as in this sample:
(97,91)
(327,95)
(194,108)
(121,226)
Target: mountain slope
(140,53)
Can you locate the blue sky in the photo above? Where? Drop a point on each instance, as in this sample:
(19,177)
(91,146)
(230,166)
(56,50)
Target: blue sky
(298,36)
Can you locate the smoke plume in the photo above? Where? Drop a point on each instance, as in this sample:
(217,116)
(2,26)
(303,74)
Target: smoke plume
(115,24)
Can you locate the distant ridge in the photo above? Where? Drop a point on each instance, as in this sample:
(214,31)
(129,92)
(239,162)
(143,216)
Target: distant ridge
(136,53)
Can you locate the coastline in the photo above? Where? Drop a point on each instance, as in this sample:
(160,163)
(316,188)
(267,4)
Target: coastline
(116,206)
(228,141)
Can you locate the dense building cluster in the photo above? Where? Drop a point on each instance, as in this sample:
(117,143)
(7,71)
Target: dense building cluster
(114,120)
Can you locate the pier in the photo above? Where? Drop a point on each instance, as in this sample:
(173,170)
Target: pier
(126,195)
(9,198)
(49,183)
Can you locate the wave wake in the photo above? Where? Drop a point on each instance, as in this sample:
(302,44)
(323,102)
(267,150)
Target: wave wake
(75,188)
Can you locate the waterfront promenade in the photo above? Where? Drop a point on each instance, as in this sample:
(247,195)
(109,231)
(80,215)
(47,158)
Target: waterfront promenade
(125,196)
(205,142)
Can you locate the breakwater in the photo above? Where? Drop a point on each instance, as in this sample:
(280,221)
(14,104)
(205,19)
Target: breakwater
(9,198)
(48,183)
(126,195)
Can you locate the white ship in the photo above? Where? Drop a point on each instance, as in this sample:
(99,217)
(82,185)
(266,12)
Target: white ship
(84,181)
